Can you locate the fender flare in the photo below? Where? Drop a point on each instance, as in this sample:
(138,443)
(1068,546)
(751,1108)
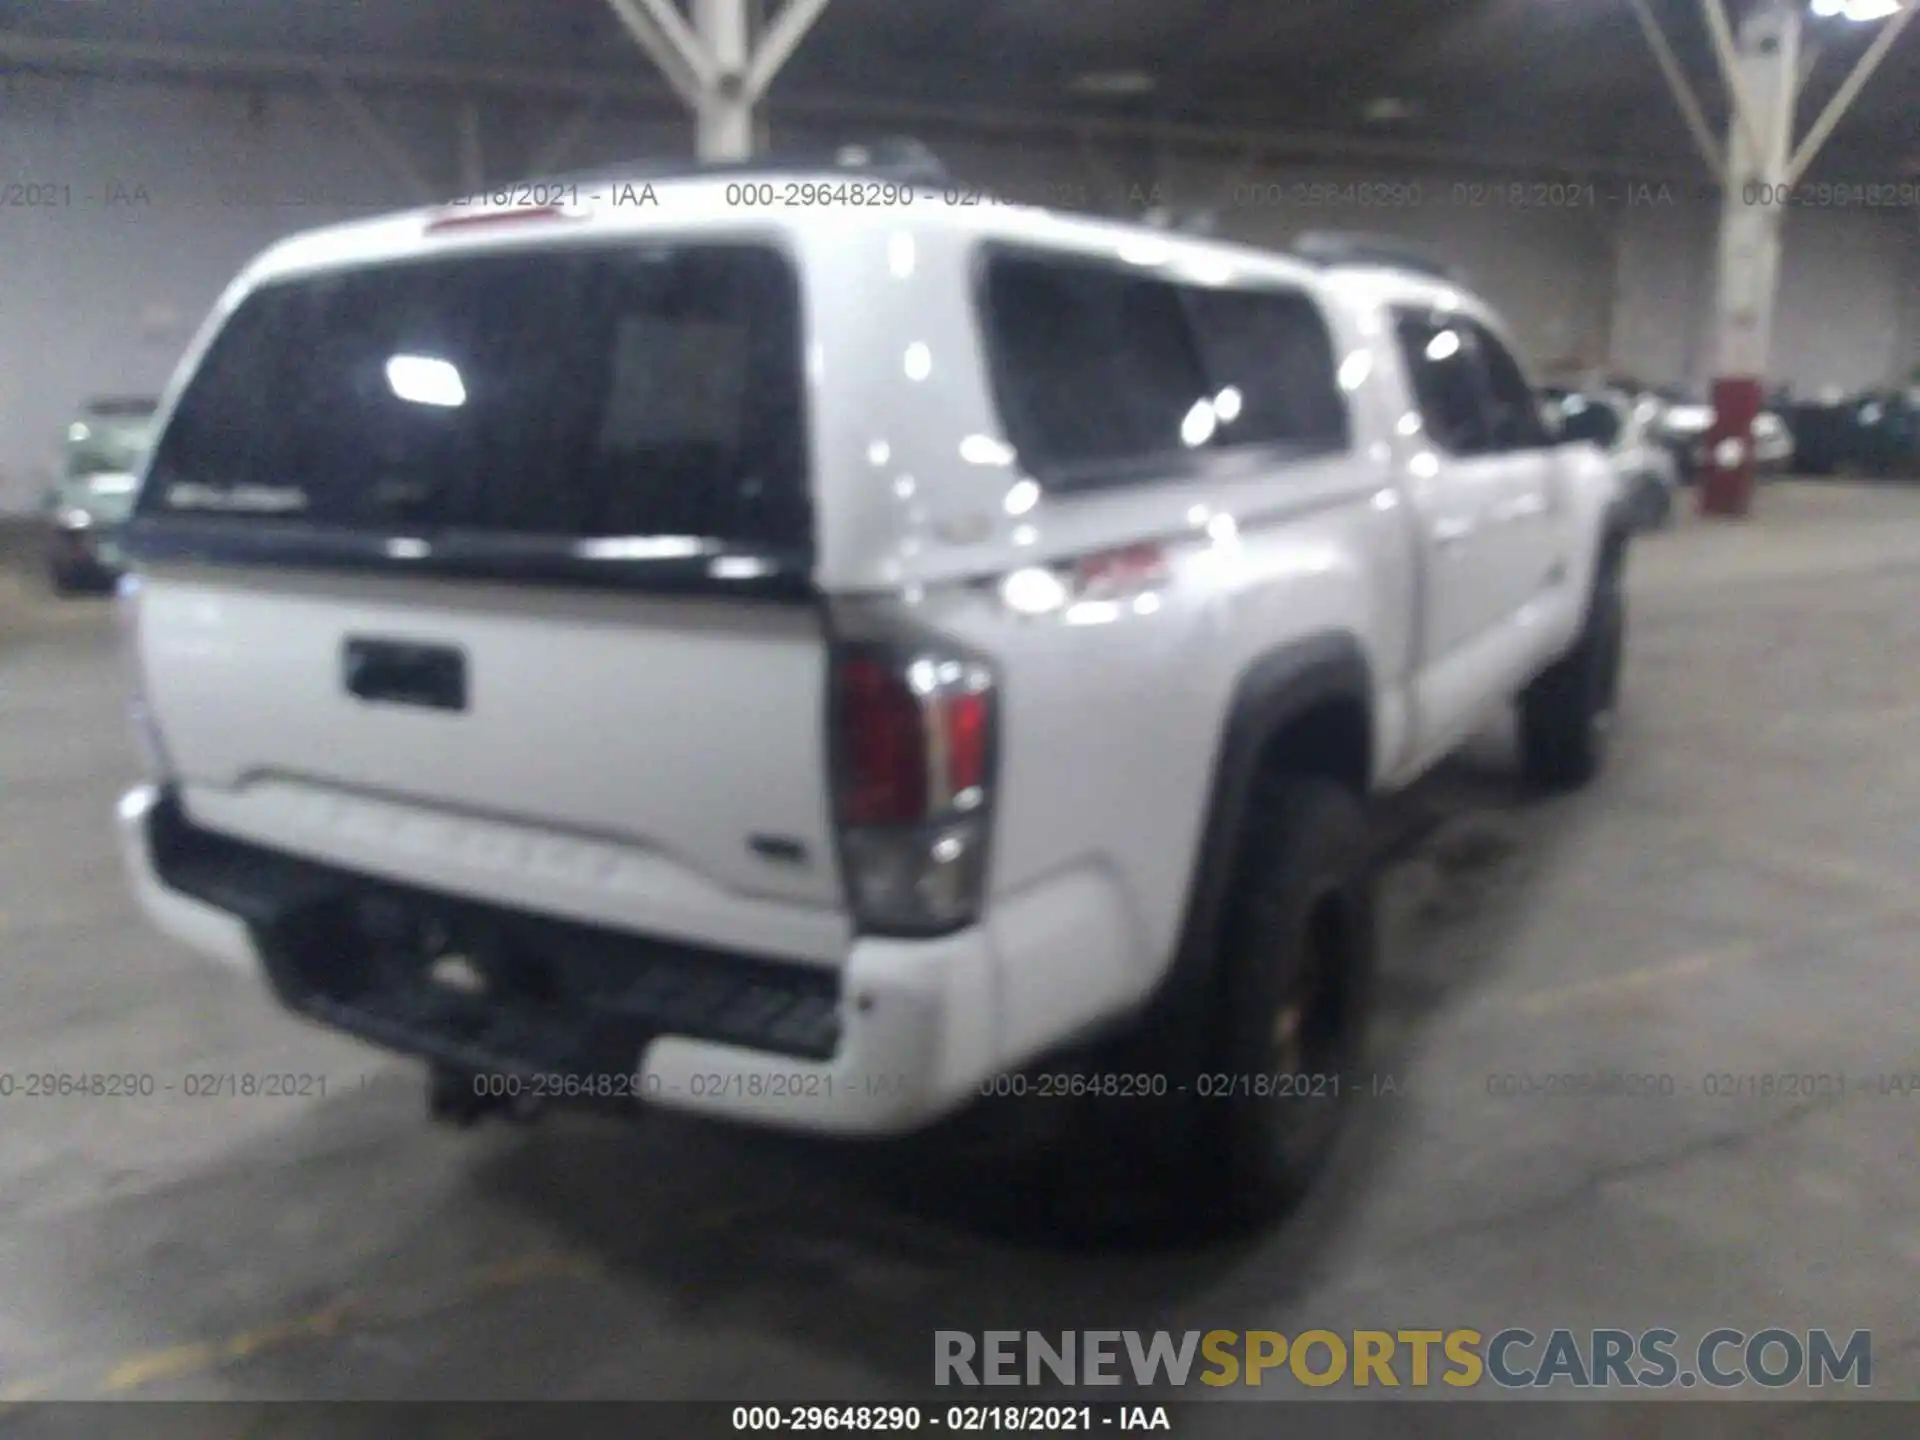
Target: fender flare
(1279,687)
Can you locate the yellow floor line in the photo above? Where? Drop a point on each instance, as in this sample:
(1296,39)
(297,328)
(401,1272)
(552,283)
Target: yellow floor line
(1644,977)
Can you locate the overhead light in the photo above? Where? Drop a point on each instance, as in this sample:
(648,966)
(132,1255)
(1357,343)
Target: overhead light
(1859,11)
(1113,84)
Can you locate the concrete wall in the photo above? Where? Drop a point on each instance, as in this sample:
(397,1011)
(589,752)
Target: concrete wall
(168,190)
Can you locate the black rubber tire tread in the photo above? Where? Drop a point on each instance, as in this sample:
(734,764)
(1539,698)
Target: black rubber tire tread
(1565,713)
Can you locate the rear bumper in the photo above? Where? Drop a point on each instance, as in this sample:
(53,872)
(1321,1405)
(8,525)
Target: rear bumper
(902,1034)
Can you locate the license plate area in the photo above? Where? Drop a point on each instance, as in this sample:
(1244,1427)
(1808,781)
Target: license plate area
(492,990)
(481,987)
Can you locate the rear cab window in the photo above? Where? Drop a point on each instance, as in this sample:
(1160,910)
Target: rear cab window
(565,395)
(1104,376)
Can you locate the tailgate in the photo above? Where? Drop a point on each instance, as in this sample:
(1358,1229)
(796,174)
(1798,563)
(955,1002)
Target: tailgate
(654,763)
(460,574)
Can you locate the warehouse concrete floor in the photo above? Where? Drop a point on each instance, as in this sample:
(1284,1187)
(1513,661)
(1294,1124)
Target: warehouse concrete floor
(1737,897)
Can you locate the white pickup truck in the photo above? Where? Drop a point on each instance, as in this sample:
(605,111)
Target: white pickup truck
(806,647)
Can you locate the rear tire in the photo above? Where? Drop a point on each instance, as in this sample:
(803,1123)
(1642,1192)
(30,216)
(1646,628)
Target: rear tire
(1288,1021)
(1257,1063)
(1566,715)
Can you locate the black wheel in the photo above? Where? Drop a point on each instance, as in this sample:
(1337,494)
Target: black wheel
(1567,713)
(1249,1070)
(61,579)
(1289,1021)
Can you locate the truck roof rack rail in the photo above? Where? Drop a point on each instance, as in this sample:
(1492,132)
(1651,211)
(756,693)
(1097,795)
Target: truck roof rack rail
(1330,248)
(902,160)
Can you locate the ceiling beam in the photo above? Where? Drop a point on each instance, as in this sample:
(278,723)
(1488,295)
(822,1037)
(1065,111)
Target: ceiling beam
(553,154)
(639,91)
(195,61)
(778,43)
(360,115)
(659,29)
(1683,92)
(1843,99)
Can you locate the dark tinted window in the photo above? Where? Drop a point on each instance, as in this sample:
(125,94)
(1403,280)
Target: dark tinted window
(1515,414)
(1272,349)
(1584,418)
(1094,365)
(1443,365)
(578,393)
(1097,368)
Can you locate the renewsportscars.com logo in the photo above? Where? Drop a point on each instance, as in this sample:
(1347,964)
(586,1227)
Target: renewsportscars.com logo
(1512,1358)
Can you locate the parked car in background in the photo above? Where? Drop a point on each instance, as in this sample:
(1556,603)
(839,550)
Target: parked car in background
(104,450)
(1624,427)
(1685,424)
(1875,433)
(1886,434)
(1823,435)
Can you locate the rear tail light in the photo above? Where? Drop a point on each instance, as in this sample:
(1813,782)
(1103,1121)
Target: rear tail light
(913,723)
(127,604)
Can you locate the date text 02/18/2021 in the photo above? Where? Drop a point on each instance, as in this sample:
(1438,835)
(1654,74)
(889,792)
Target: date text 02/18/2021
(963,1419)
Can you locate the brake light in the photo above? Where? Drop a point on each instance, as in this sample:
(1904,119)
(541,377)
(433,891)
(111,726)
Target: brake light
(884,761)
(463,219)
(914,724)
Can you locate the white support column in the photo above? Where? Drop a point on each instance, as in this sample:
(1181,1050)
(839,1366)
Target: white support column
(714,64)
(725,110)
(658,28)
(1765,77)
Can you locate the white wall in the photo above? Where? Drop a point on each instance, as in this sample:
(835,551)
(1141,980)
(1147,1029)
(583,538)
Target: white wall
(1848,291)
(98,297)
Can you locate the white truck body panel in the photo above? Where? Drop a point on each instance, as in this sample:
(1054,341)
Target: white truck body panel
(621,751)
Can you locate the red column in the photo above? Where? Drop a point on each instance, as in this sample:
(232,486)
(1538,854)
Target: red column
(1728,489)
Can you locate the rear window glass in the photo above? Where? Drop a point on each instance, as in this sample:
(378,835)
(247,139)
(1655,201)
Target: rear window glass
(1096,368)
(1095,365)
(1272,349)
(582,393)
